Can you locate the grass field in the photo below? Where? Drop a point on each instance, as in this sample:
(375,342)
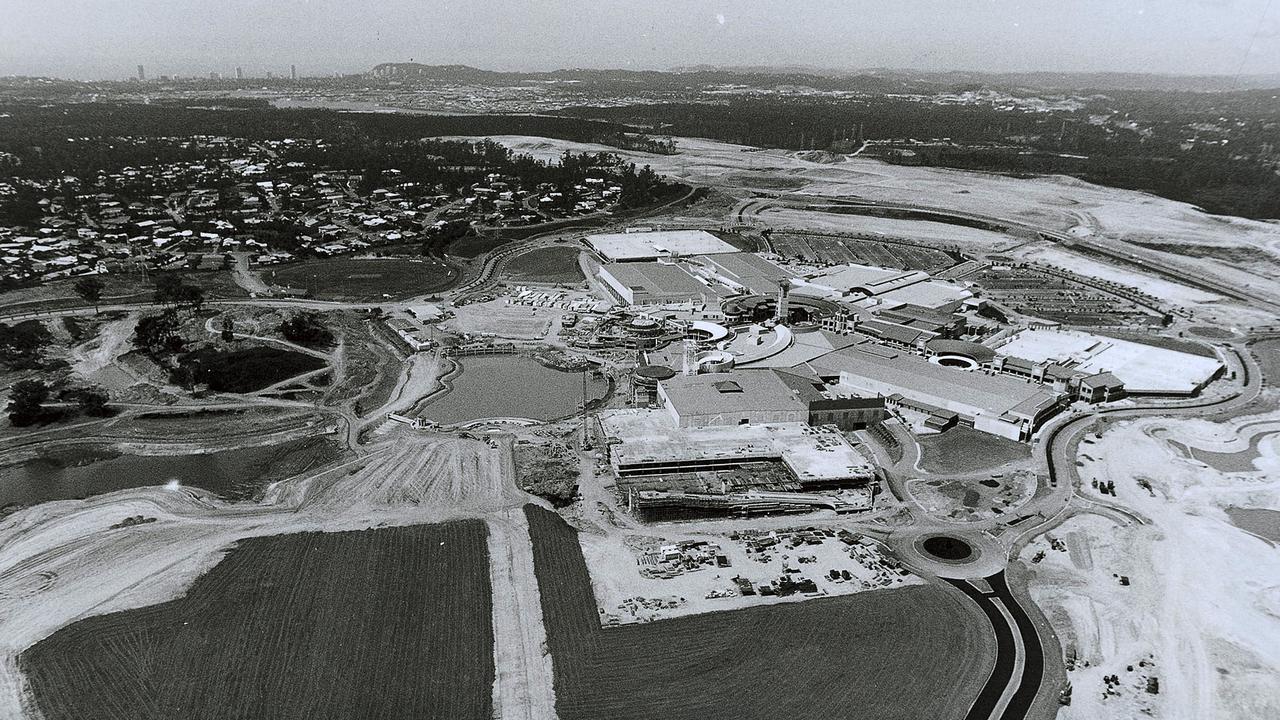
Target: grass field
(963,450)
(364,280)
(392,623)
(915,652)
(556,264)
(474,246)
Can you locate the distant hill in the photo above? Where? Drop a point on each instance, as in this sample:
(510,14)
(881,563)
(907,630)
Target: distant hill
(642,79)
(871,80)
(1042,80)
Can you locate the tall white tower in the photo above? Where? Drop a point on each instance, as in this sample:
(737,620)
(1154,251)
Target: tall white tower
(784,291)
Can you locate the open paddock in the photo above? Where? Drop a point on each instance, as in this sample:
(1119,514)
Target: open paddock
(390,623)
(364,280)
(499,319)
(913,652)
(554,264)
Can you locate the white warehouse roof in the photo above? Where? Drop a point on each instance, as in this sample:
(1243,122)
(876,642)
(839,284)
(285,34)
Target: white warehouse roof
(1142,368)
(615,247)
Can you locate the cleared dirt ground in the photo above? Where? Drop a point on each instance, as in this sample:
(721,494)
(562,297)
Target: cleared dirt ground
(1159,580)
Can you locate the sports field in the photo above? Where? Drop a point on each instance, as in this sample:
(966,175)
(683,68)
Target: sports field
(367,280)
(392,623)
(914,652)
(556,264)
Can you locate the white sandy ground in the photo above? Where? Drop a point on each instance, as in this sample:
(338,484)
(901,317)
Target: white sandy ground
(1057,203)
(1204,598)
(60,562)
(501,319)
(1163,289)
(95,360)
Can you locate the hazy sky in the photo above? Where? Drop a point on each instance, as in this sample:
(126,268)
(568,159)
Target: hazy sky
(108,38)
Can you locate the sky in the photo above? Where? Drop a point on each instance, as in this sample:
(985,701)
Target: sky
(96,39)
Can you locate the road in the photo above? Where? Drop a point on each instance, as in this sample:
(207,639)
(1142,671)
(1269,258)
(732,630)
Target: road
(1003,672)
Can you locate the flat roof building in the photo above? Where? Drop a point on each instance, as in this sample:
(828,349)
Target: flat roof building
(734,398)
(762,396)
(1143,369)
(640,246)
(650,283)
(743,272)
(997,404)
(887,285)
(647,442)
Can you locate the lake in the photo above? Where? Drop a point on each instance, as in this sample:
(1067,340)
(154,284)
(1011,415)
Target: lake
(510,386)
(1259,521)
(86,470)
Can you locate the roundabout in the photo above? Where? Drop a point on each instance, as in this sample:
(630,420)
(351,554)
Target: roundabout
(947,548)
(952,554)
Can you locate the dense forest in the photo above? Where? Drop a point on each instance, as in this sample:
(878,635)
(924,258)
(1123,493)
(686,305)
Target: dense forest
(449,165)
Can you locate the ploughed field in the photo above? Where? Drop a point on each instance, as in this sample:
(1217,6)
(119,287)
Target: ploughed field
(914,652)
(389,623)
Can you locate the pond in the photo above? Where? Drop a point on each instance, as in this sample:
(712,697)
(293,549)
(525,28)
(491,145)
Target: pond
(92,470)
(1259,521)
(510,386)
(1227,462)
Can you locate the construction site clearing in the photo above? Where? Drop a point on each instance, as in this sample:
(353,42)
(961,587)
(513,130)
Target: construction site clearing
(643,578)
(666,472)
(969,499)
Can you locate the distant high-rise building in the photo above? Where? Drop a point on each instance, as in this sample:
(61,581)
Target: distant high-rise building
(239,73)
(142,73)
(293,72)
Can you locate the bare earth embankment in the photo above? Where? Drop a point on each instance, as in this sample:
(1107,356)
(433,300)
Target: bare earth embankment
(65,561)
(1177,593)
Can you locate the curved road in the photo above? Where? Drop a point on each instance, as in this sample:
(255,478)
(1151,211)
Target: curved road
(1005,673)
(1051,505)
